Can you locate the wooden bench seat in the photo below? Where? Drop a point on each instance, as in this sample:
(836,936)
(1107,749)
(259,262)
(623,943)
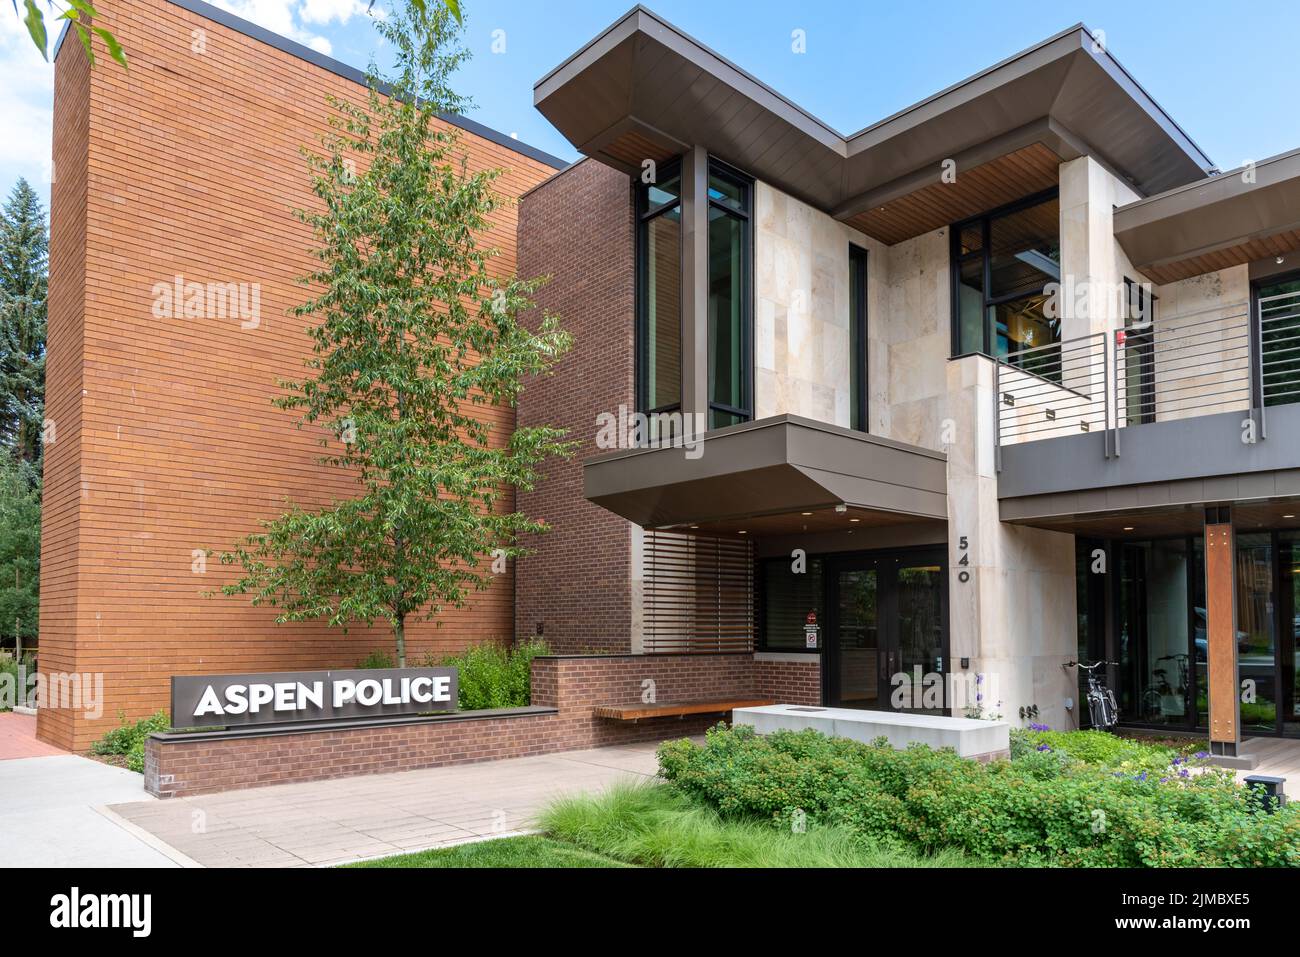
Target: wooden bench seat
(677,709)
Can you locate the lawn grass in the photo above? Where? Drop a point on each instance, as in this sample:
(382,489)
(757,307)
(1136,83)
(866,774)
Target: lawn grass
(527,851)
(652,825)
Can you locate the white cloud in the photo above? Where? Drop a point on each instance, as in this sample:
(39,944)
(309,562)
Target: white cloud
(27,105)
(278,16)
(325,11)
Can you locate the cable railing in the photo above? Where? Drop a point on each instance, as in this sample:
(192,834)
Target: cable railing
(1194,364)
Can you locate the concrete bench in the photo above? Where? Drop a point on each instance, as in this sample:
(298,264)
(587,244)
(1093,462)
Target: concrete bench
(980,740)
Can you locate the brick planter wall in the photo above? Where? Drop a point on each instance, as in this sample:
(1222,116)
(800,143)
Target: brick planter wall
(565,689)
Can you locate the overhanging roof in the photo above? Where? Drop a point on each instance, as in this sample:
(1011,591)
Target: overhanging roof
(644,89)
(1226,220)
(780,465)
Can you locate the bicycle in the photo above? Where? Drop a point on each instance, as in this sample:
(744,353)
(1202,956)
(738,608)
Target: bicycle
(1101,700)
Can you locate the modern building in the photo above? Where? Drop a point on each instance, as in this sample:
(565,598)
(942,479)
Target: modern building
(906,419)
(999,382)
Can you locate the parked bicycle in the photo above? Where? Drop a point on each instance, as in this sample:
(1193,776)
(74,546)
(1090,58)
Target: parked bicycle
(1101,700)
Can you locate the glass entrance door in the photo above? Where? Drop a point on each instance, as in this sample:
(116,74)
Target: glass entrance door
(920,634)
(887,637)
(857,642)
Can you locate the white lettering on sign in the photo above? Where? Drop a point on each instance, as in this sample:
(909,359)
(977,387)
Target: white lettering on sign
(291,696)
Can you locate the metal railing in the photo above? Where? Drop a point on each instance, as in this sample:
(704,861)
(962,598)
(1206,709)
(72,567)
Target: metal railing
(1216,360)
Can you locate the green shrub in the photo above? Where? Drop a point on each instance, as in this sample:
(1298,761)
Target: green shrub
(9,666)
(376,660)
(496,676)
(1033,811)
(128,739)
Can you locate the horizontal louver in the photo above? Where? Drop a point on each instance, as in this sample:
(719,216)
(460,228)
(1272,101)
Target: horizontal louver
(698,593)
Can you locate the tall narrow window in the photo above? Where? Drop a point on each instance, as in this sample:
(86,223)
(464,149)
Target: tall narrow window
(730,252)
(1002,265)
(1138,358)
(858,338)
(659,292)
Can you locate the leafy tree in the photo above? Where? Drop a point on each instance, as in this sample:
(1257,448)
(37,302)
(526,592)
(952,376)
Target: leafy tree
(20,549)
(34,20)
(413,337)
(24,265)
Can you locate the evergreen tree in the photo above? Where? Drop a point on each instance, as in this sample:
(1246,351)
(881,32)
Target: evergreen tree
(20,550)
(412,337)
(24,262)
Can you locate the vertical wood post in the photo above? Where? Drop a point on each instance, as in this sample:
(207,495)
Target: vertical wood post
(1221,632)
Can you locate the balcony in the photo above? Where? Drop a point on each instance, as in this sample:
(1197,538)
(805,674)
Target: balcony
(1164,416)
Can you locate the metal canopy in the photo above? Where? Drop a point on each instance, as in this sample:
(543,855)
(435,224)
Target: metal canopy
(1216,222)
(780,465)
(644,89)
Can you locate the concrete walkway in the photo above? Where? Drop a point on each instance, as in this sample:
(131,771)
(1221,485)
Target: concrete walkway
(322,823)
(52,814)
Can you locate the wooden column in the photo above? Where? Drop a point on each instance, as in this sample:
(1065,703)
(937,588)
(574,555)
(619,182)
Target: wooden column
(1221,632)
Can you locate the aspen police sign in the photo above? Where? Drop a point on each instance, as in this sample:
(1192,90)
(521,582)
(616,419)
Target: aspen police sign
(203,701)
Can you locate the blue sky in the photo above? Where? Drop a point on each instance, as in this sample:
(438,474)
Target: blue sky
(1228,77)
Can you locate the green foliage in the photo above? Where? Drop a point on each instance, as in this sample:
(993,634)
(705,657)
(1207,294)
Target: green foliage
(412,335)
(9,668)
(376,659)
(654,826)
(1104,750)
(34,20)
(1037,810)
(20,550)
(24,268)
(530,851)
(128,739)
(496,676)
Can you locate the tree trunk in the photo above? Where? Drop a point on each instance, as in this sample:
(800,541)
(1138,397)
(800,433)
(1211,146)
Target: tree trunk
(399,632)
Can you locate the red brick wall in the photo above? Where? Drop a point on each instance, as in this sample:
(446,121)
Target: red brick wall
(572,686)
(790,682)
(577,228)
(189,164)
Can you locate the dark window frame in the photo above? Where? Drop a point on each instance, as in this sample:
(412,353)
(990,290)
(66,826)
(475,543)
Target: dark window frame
(644,214)
(859,375)
(955,259)
(736,177)
(760,606)
(1144,347)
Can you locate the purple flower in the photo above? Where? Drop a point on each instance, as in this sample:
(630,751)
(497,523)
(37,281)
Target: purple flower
(1038,727)
(1141,777)
(1202,754)
(1178,761)
(1043,747)
(1184,773)
(1164,780)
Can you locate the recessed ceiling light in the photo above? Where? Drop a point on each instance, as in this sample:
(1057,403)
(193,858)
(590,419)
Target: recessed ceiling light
(1288,516)
(743,532)
(1280,260)
(1128,528)
(855,520)
(695,526)
(805,513)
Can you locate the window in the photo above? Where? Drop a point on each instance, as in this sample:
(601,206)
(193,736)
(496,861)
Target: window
(1277,306)
(1138,358)
(1002,264)
(787,598)
(659,292)
(858,338)
(730,253)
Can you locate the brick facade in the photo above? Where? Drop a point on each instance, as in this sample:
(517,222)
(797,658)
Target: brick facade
(579,583)
(167,443)
(789,680)
(565,689)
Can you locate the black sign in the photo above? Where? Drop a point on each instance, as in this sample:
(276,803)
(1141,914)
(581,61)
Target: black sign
(206,701)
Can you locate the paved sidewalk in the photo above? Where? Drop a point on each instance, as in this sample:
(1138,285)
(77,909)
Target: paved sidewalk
(322,823)
(51,815)
(18,738)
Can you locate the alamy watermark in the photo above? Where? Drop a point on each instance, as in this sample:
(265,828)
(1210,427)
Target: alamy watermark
(654,430)
(182,299)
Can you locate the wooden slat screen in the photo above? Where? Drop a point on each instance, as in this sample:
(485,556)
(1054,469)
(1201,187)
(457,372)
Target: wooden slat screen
(698,593)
